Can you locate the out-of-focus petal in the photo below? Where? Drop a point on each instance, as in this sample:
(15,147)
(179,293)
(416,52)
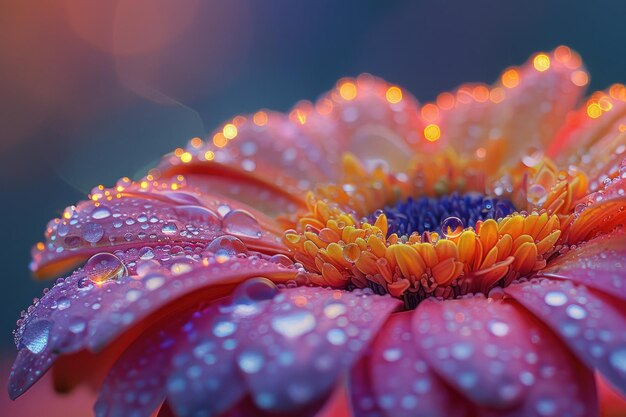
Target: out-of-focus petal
(136,217)
(78,313)
(404,385)
(135,385)
(590,323)
(376,121)
(598,263)
(289,351)
(593,139)
(499,356)
(521,112)
(599,213)
(478,346)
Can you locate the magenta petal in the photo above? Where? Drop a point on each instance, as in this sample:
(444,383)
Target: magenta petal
(136,219)
(135,385)
(478,346)
(404,384)
(293,353)
(203,378)
(27,369)
(598,263)
(363,399)
(77,313)
(589,323)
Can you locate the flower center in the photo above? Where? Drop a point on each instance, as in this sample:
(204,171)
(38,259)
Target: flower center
(452,213)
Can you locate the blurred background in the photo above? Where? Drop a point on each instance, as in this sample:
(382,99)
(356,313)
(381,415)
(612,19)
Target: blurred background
(93,91)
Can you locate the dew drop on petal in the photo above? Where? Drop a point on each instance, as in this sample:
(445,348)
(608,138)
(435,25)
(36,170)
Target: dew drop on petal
(294,323)
(169,228)
(242,223)
(153,282)
(77,325)
(230,244)
(222,256)
(104,267)
(498,328)
(224,328)
(250,362)
(536,195)
(180,268)
(351,252)
(555,298)
(93,232)
(101,212)
(36,335)
(336,337)
(532,156)
(334,309)
(576,312)
(249,295)
(452,227)
(618,359)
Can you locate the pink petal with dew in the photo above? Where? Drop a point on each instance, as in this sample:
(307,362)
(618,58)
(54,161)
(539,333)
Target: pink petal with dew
(290,351)
(479,346)
(135,384)
(593,138)
(523,110)
(598,263)
(134,218)
(599,213)
(368,117)
(93,314)
(404,385)
(590,323)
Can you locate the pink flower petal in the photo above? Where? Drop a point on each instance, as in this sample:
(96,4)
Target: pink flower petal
(524,109)
(404,384)
(134,218)
(600,212)
(78,313)
(598,264)
(135,385)
(362,395)
(594,131)
(293,353)
(590,323)
(478,346)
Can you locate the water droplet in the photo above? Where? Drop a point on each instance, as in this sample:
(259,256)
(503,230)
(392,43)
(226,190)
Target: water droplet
(498,328)
(555,298)
(221,256)
(93,232)
(169,228)
(336,337)
(462,351)
(63,303)
(101,212)
(576,312)
(452,227)
(618,359)
(180,268)
(77,325)
(392,355)
(250,362)
(104,267)
(146,253)
(294,324)
(254,290)
(36,335)
(63,229)
(545,407)
(223,209)
(334,309)
(230,244)
(242,223)
(351,252)
(154,281)
(532,156)
(224,328)
(536,195)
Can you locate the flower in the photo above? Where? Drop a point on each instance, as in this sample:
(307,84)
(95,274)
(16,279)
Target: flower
(362,255)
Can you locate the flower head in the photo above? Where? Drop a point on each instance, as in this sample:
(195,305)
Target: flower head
(462,257)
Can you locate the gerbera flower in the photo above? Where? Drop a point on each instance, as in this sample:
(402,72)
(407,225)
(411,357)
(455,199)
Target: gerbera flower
(361,255)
